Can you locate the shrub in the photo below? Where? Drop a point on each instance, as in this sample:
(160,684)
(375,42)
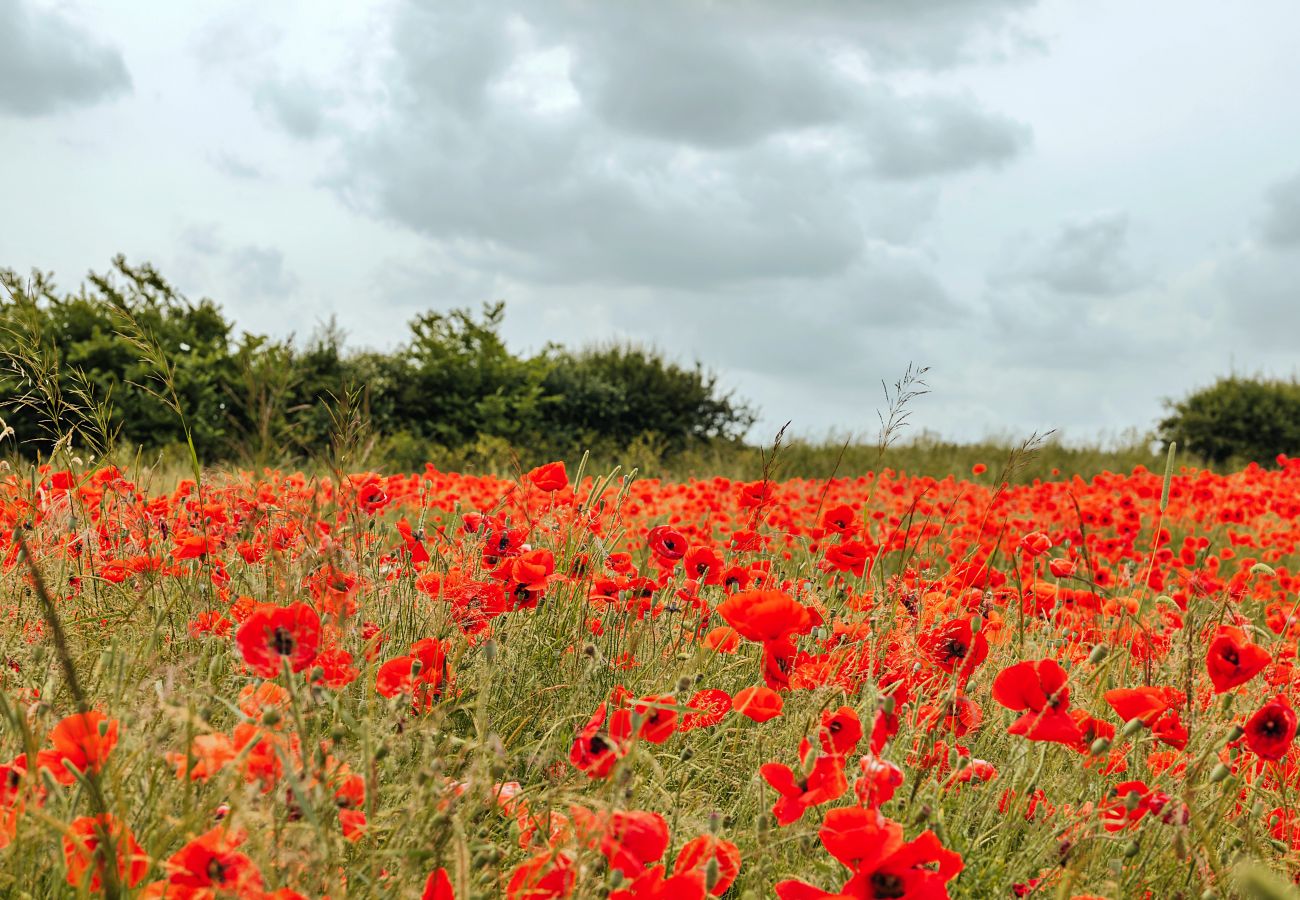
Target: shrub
(1237,419)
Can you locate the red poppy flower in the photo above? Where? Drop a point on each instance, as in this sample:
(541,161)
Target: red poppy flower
(666,543)
(652,885)
(849,556)
(1035,544)
(1119,812)
(658,718)
(880,778)
(438,887)
(369,492)
(549,478)
(422,674)
(1232,659)
(1039,687)
(629,840)
(595,750)
(708,706)
(697,853)
(883,864)
(212,861)
(723,639)
(543,877)
(1270,731)
(840,519)
(765,616)
(758,703)
(81,741)
(209,754)
(82,853)
(824,783)
(955,647)
(272,634)
(840,731)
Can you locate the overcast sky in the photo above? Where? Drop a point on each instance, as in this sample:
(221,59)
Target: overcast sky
(1068,210)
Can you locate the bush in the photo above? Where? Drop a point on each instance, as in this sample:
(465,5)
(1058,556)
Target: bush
(130,360)
(1237,419)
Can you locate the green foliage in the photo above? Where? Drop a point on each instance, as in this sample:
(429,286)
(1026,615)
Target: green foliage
(625,392)
(128,361)
(1237,419)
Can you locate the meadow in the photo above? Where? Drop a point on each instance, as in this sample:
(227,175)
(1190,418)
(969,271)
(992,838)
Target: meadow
(567,684)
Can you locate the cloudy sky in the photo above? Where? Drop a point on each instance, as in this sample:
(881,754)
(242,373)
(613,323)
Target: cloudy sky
(1068,210)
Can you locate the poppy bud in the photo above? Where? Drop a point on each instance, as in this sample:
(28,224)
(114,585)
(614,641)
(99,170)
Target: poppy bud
(381,751)
(1099,746)
(976,623)
(712,873)
(684,684)
(1131,849)
(616,879)
(1133,726)
(686,754)
(1219,773)
(271,717)
(490,651)
(888,705)
(1132,800)
(1098,654)
(1235,733)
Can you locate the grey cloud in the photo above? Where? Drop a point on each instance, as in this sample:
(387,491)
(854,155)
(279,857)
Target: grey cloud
(1259,298)
(688,85)
(552,201)
(256,271)
(237,34)
(914,137)
(673,168)
(1281,224)
(49,63)
(296,105)
(260,272)
(235,167)
(1088,256)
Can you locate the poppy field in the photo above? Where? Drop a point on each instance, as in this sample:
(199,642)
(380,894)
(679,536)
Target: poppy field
(434,685)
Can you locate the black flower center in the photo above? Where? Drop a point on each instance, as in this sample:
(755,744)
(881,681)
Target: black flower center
(282,641)
(887,884)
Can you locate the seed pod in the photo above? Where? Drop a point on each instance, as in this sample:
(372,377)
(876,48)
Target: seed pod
(1132,727)
(1098,653)
(712,872)
(1099,746)
(1219,773)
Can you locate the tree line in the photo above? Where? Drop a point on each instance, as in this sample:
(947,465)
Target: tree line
(127,360)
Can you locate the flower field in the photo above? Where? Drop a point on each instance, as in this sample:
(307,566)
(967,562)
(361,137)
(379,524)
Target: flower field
(439,685)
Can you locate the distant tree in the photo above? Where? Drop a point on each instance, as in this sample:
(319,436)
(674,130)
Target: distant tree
(622,392)
(1237,419)
(130,358)
(460,380)
(66,353)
